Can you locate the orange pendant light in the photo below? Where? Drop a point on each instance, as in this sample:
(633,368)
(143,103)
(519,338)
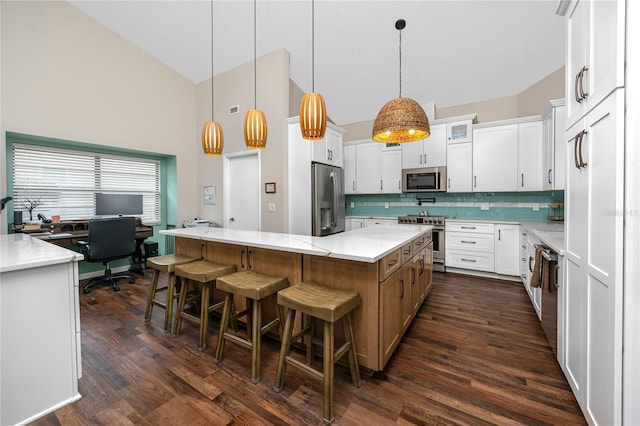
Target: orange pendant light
(255,122)
(212,135)
(313,111)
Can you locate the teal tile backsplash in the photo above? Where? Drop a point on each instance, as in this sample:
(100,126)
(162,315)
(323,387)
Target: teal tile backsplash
(502,205)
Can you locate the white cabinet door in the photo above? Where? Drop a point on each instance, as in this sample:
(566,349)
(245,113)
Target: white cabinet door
(495,158)
(530,156)
(595,54)
(435,147)
(350,169)
(392,172)
(369,168)
(329,149)
(413,155)
(459,131)
(553,146)
(459,167)
(506,249)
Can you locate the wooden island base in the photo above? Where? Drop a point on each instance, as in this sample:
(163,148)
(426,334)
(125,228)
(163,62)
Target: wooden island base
(392,289)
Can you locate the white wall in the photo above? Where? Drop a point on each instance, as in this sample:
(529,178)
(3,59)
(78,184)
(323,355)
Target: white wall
(65,76)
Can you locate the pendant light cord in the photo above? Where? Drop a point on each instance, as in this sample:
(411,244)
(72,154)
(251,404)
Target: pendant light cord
(400,62)
(212,60)
(255,78)
(313,46)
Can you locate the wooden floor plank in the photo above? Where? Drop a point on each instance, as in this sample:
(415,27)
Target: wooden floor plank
(475,354)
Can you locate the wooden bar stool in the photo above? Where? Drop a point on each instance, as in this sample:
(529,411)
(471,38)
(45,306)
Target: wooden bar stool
(166,264)
(328,305)
(254,287)
(199,276)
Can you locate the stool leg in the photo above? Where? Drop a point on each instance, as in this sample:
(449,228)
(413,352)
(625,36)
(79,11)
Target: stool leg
(168,313)
(184,287)
(204,315)
(328,370)
(224,324)
(311,357)
(284,350)
(353,359)
(256,340)
(152,295)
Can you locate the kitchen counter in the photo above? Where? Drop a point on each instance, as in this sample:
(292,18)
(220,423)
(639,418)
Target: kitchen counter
(368,244)
(40,359)
(549,233)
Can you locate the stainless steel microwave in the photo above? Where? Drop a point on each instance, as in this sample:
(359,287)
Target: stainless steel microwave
(430,179)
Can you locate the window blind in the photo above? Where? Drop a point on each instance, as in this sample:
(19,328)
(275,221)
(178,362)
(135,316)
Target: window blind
(64,182)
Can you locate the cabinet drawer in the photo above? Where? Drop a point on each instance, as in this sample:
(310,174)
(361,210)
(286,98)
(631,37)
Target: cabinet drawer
(421,242)
(390,263)
(470,260)
(481,228)
(407,252)
(470,242)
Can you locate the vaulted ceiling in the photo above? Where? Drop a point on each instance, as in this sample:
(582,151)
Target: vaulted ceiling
(453,52)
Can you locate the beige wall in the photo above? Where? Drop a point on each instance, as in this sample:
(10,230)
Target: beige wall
(66,76)
(235,87)
(532,101)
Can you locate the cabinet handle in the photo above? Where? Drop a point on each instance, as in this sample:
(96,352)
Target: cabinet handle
(399,184)
(380,184)
(354,185)
(530,267)
(249,256)
(474,182)
(499,234)
(468,260)
(575,87)
(402,289)
(522,179)
(407,251)
(583,94)
(468,242)
(524,259)
(524,247)
(549,176)
(422,266)
(468,227)
(582,135)
(425,158)
(413,276)
(242,259)
(575,150)
(420,159)
(329,154)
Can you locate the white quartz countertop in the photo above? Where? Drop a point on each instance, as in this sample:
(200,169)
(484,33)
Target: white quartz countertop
(21,251)
(368,244)
(549,233)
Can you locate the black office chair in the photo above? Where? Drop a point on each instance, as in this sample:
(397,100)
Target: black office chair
(109,239)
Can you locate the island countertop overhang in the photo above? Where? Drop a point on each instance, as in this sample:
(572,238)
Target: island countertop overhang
(368,244)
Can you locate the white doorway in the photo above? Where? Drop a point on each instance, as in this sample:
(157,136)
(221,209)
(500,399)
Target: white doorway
(242,190)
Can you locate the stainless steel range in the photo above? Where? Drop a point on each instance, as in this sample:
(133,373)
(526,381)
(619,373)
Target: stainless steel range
(438,235)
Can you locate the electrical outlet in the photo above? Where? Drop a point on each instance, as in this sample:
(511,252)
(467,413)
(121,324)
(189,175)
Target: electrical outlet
(536,207)
(386,205)
(352,204)
(484,206)
(271,207)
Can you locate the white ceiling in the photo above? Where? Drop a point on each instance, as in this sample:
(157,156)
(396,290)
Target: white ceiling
(453,52)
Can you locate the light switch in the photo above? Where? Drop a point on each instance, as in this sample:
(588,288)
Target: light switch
(386,205)
(536,207)
(271,207)
(484,206)
(352,204)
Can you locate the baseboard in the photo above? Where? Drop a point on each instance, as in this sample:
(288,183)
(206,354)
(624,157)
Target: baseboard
(514,278)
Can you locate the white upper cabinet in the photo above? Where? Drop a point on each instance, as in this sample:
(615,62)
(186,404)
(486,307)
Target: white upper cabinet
(495,158)
(553,146)
(595,54)
(377,170)
(329,149)
(459,167)
(429,152)
(391,171)
(350,169)
(460,131)
(530,156)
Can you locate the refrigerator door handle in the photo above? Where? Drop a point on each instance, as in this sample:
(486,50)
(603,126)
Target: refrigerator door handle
(334,198)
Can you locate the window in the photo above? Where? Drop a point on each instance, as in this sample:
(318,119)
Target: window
(63,181)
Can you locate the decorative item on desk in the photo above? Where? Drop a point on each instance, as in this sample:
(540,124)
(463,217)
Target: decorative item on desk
(30,205)
(55,218)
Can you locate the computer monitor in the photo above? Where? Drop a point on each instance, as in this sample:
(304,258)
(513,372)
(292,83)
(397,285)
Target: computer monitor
(118,204)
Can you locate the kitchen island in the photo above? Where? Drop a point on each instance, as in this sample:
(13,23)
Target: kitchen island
(389,265)
(39,328)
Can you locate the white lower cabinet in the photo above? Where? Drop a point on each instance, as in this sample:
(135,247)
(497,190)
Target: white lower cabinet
(506,249)
(470,245)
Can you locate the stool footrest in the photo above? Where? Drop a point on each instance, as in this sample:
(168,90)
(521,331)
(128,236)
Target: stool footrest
(239,340)
(304,367)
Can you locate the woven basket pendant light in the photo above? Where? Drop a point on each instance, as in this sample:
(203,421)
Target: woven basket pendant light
(255,122)
(212,135)
(313,111)
(401,119)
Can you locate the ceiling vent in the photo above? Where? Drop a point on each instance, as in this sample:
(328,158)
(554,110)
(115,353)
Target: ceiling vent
(234,109)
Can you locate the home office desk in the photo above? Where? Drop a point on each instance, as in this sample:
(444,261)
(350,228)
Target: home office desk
(67,234)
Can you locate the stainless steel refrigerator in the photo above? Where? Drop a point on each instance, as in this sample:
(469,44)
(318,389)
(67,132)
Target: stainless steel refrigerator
(327,199)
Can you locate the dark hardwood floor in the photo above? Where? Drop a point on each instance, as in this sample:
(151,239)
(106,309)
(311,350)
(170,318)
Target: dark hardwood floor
(475,354)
